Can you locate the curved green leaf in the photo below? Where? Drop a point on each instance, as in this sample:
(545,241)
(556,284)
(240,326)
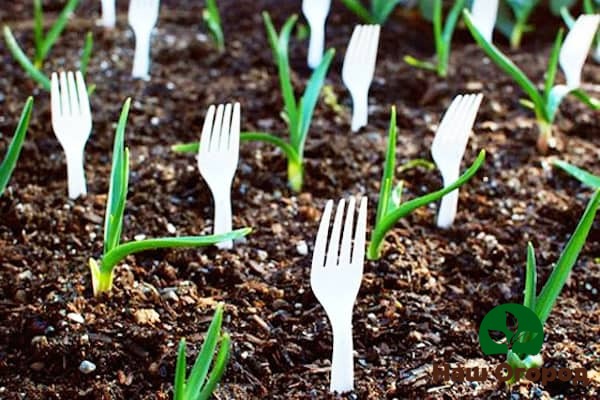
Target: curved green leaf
(583,176)
(14,148)
(179,383)
(24,61)
(219,368)
(57,28)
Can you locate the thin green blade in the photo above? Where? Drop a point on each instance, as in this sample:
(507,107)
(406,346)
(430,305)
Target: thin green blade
(203,361)
(57,28)
(179,383)
(389,169)
(530,278)
(553,65)
(22,59)
(219,368)
(357,8)
(567,260)
(581,175)
(14,148)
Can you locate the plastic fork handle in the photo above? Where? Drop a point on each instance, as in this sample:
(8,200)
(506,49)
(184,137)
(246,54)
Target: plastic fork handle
(342,360)
(141,59)
(447,212)
(316,44)
(76,175)
(109,15)
(360,109)
(223,218)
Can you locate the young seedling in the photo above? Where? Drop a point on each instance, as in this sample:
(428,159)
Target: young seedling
(581,175)
(102,270)
(378,12)
(389,208)
(448,149)
(542,304)
(72,125)
(588,8)
(109,14)
(513,17)
(443,39)
(485,13)
(44,43)
(570,54)
(298,114)
(315,12)
(14,148)
(212,19)
(200,385)
(358,70)
(142,17)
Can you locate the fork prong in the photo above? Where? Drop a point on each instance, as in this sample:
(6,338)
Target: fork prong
(445,125)
(225,129)
(64,95)
(347,234)
(352,45)
(216,129)
(206,130)
(374,45)
(73,100)
(358,252)
(234,137)
(55,97)
(82,94)
(362,43)
(334,239)
(318,260)
(469,117)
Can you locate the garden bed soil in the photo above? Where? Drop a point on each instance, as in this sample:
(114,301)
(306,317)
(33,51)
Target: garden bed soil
(421,303)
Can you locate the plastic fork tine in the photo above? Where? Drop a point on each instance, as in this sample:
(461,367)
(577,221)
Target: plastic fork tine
(347,234)
(447,120)
(82,94)
(358,252)
(216,129)
(65,108)
(207,129)
(73,100)
(318,260)
(334,240)
(225,133)
(234,137)
(575,48)
(55,97)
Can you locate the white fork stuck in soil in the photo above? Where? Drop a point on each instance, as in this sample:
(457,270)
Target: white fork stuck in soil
(574,51)
(358,70)
(142,16)
(218,159)
(484,14)
(315,12)
(448,148)
(335,281)
(72,125)
(109,13)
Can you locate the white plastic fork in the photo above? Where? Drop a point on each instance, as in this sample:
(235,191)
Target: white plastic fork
(72,125)
(575,48)
(358,70)
(315,12)
(335,281)
(448,148)
(109,14)
(142,16)
(218,159)
(484,14)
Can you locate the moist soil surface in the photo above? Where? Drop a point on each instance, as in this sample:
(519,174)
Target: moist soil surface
(421,303)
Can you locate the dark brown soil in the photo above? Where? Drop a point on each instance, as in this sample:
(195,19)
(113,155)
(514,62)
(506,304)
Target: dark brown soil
(421,303)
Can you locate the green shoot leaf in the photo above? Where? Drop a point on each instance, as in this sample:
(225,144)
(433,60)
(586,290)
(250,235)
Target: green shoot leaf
(530,278)
(179,384)
(388,170)
(357,8)
(219,368)
(211,17)
(200,369)
(119,179)
(567,260)
(86,53)
(553,65)
(22,59)
(56,29)
(447,34)
(509,67)
(14,148)
(583,176)
(426,65)
(38,29)
(387,223)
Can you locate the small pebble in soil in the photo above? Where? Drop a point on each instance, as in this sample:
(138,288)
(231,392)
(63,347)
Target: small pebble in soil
(76,317)
(154,121)
(87,367)
(171,228)
(262,255)
(302,248)
(37,366)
